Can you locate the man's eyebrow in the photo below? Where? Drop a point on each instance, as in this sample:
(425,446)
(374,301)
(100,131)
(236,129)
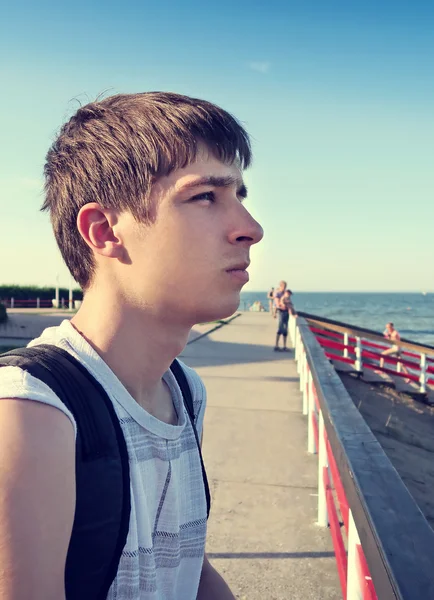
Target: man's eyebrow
(211,180)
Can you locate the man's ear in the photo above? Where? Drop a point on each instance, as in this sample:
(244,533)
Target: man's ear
(97,226)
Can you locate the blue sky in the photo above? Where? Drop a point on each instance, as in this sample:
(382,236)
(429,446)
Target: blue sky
(338,97)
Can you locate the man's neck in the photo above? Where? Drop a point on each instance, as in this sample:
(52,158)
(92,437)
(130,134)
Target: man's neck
(138,345)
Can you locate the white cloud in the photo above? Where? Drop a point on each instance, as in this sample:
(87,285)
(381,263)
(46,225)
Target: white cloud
(260,66)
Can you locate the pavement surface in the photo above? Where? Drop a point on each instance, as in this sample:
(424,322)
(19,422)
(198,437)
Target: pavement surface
(25,324)
(262,532)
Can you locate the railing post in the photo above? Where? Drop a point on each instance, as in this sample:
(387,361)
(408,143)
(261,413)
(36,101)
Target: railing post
(296,346)
(398,367)
(12,302)
(322,462)
(358,363)
(291,329)
(302,369)
(310,430)
(354,591)
(299,351)
(306,390)
(38,302)
(422,378)
(346,344)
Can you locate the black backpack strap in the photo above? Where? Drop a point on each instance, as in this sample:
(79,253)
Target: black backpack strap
(102,470)
(181,378)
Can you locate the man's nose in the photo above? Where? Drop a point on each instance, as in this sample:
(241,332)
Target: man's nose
(248,231)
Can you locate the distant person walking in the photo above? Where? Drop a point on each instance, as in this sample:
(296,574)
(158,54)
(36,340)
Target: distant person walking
(392,334)
(270,297)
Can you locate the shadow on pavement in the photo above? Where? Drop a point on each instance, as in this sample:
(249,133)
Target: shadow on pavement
(265,378)
(212,353)
(270,554)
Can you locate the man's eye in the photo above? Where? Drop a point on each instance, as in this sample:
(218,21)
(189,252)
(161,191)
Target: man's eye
(205,196)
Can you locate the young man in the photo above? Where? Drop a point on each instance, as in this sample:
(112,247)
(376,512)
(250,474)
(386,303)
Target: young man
(145,194)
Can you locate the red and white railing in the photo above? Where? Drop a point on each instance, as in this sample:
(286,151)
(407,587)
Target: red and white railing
(383,544)
(61,302)
(355,579)
(361,354)
(27,303)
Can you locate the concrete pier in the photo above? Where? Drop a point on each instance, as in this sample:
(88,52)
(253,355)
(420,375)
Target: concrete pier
(262,530)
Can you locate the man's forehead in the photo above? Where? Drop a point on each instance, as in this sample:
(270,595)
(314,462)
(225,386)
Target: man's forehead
(206,170)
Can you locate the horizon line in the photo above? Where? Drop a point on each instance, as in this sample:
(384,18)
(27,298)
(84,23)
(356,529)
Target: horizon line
(422,293)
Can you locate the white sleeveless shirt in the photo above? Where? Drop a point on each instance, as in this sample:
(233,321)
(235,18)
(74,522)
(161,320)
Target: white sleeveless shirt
(163,555)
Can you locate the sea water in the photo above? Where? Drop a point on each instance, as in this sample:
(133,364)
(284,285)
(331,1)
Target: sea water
(411,313)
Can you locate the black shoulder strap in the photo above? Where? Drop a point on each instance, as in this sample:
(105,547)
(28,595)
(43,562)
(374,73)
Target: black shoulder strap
(102,469)
(101,466)
(181,378)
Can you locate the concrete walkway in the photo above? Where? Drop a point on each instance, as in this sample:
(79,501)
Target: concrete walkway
(262,532)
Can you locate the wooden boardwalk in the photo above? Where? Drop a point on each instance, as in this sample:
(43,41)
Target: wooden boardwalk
(262,530)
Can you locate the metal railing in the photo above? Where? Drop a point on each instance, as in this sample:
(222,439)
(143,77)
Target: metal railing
(385,548)
(362,349)
(62,302)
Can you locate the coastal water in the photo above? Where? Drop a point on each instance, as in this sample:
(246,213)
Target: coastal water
(412,314)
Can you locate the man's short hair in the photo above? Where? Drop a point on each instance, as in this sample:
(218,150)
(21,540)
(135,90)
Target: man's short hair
(112,151)
(390,324)
(288,292)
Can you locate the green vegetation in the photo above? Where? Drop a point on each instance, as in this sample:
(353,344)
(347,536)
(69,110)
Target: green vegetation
(3,313)
(28,292)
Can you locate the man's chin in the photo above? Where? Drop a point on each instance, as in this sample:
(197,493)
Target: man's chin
(215,313)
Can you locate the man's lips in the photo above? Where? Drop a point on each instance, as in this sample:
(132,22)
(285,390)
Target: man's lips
(239,273)
(242,266)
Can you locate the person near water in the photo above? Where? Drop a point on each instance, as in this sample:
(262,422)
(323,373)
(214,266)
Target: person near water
(286,301)
(392,334)
(284,309)
(277,294)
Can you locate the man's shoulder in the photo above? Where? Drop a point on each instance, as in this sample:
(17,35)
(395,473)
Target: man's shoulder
(54,335)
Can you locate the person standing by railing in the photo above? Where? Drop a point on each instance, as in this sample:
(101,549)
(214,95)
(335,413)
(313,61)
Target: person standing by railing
(284,309)
(392,334)
(277,295)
